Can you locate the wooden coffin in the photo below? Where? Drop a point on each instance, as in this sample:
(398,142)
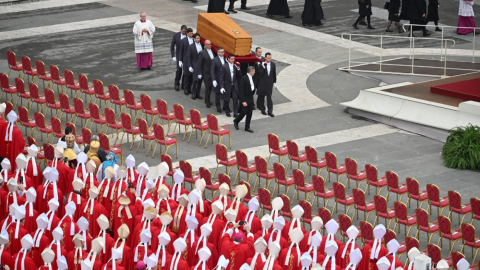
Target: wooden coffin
(224,32)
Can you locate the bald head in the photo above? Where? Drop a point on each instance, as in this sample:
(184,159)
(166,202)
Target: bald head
(208,44)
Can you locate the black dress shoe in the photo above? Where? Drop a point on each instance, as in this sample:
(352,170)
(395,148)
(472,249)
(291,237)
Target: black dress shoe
(306,25)
(271,115)
(355,26)
(186,92)
(426,34)
(177,88)
(318,24)
(269,15)
(208,105)
(193,96)
(199,97)
(249,130)
(388,30)
(361,23)
(228,114)
(245,8)
(264,113)
(370,27)
(236,125)
(226,12)
(253,107)
(219,110)
(287,17)
(232,10)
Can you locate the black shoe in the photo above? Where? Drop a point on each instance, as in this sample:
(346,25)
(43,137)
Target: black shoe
(186,92)
(370,27)
(426,34)
(226,12)
(271,115)
(287,17)
(199,97)
(193,96)
(361,23)
(219,110)
(253,107)
(181,87)
(249,130)
(177,88)
(194,1)
(228,114)
(306,25)
(235,115)
(245,8)
(388,30)
(318,23)
(149,68)
(232,10)
(269,15)
(438,29)
(355,26)
(208,105)
(235,125)
(264,113)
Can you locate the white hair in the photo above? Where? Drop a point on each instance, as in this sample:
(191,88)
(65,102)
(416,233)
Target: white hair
(143,12)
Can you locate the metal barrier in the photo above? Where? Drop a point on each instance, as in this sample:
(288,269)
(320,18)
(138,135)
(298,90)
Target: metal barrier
(412,51)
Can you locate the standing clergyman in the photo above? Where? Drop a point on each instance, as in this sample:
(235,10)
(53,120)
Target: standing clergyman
(143,31)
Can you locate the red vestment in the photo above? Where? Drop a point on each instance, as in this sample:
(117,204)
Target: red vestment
(109,266)
(13,148)
(30,223)
(28,262)
(127,261)
(98,210)
(344,262)
(217,231)
(106,253)
(163,206)
(63,173)
(173,237)
(97,264)
(141,253)
(190,248)
(28,182)
(193,256)
(67,241)
(200,266)
(242,210)
(42,203)
(286,230)
(38,179)
(256,223)
(135,236)
(293,260)
(15,244)
(238,253)
(283,243)
(102,198)
(258,261)
(320,256)
(175,188)
(3,194)
(36,252)
(113,197)
(155,223)
(324,242)
(76,198)
(168,259)
(74,263)
(398,263)
(182,264)
(10,199)
(304,246)
(366,263)
(63,252)
(55,221)
(72,177)
(6,259)
(276,265)
(89,181)
(328,266)
(134,207)
(226,199)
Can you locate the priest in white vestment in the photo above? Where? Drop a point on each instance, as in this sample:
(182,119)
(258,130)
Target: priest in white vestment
(466,17)
(143,31)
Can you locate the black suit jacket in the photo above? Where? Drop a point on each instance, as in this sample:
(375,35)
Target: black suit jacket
(245,90)
(265,82)
(101,153)
(215,72)
(226,81)
(192,57)
(417,9)
(204,66)
(183,55)
(175,47)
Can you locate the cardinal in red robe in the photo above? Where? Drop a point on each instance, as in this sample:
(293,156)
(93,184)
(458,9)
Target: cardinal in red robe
(48,191)
(53,220)
(297,213)
(40,240)
(276,234)
(290,257)
(373,251)
(69,227)
(104,189)
(12,142)
(331,227)
(118,187)
(148,223)
(179,226)
(76,256)
(5,256)
(20,174)
(95,255)
(125,212)
(316,225)
(33,170)
(142,249)
(11,198)
(76,197)
(206,230)
(16,231)
(164,203)
(90,179)
(123,233)
(79,172)
(176,191)
(177,262)
(106,252)
(251,218)
(139,183)
(260,247)
(63,170)
(166,220)
(217,221)
(190,237)
(393,247)
(23,257)
(57,246)
(272,262)
(240,249)
(343,254)
(91,210)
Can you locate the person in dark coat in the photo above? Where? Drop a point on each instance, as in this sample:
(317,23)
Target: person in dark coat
(101,152)
(405,10)
(418,15)
(183,62)
(229,86)
(278,7)
(364,10)
(432,16)
(192,57)
(216,6)
(312,13)
(246,94)
(204,67)
(217,64)
(175,52)
(394,15)
(267,80)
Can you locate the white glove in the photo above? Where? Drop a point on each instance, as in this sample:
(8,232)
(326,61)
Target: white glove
(238,68)
(180,64)
(190,69)
(199,76)
(174,59)
(274,85)
(222,91)
(215,84)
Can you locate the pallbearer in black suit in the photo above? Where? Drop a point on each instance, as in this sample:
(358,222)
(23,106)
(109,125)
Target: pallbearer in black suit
(217,64)
(175,52)
(192,56)
(267,80)
(183,63)
(246,94)
(229,86)
(204,67)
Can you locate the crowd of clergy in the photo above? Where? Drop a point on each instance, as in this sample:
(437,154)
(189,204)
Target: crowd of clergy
(80,213)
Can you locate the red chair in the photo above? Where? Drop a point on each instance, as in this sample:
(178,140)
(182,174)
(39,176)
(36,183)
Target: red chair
(286,210)
(215,130)
(339,194)
(247,197)
(469,239)
(320,191)
(66,108)
(42,127)
(9,108)
(243,166)
(22,93)
(207,176)
(353,173)
(35,96)
(456,256)
(373,179)
(28,69)
(57,130)
(325,215)
(41,154)
(293,155)
(475,204)
(131,103)
(13,64)
(56,79)
(446,232)
(23,115)
(145,133)
(264,199)
(394,186)
(344,222)
(435,253)
(86,135)
(43,74)
(366,231)
(7,88)
(456,205)
(281,178)
(413,192)
(389,236)
(85,87)
(433,193)
(78,138)
(313,161)
(166,141)
(115,97)
(197,125)
(187,170)
(424,225)
(300,185)
(223,178)
(360,203)
(49,151)
(381,210)
(222,158)
(71,83)
(128,128)
(146,102)
(52,103)
(116,149)
(80,112)
(274,147)
(162,107)
(411,242)
(332,166)
(97,118)
(112,123)
(100,93)
(262,171)
(167,159)
(402,217)
(181,120)
(307,212)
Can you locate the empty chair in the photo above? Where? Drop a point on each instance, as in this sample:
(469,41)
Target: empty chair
(243,166)
(293,155)
(162,108)
(332,166)
(456,205)
(197,125)
(23,115)
(52,103)
(96,117)
(261,168)
(101,94)
(58,80)
(187,170)
(7,88)
(341,197)
(402,217)
(81,113)
(22,92)
(115,97)
(475,204)
(206,175)
(319,190)
(469,239)
(147,107)
(71,83)
(307,212)
(360,203)
(286,210)
(166,141)
(66,107)
(182,120)
(87,90)
(49,152)
(300,185)
(112,122)
(43,74)
(394,186)
(434,199)
(87,136)
(353,173)
(366,231)
(373,180)
(145,134)
(128,128)
(216,130)
(424,225)
(281,178)
(445,226)
(274,147)
(131,103)
(325,215)
(382,211)
(35,96)
(413,192)
(13,64)
(435,253)
(222,158)
(42,127)
(313,161)
(28,69)
(116,149)
(264,199)
(57,130)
